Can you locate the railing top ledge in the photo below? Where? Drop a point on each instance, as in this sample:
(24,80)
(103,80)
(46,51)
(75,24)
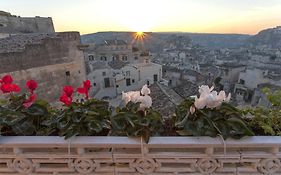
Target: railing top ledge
(109,141)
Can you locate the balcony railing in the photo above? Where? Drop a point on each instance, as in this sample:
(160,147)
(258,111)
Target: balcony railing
(127,156)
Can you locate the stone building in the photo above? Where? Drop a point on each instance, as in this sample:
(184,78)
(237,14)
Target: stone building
(53,60)
(117,66)
(10,24)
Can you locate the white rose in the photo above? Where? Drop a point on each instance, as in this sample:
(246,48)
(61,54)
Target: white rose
(145,90)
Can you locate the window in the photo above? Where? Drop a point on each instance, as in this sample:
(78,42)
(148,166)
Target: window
(95,84)
(133,80)
(79,72)
(106,82)
(124,58)
(103,58)
(91,58)
(67,73)
(155,77)
(128,82)
(117,86)
(103,73)
(241,81)
(146,61)
(127,73)
(136,58)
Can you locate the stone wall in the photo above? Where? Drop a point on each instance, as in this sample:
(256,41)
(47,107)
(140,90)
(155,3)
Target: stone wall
(14,24)
(52,60)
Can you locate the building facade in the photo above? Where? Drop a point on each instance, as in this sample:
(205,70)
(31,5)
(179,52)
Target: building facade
(117,66)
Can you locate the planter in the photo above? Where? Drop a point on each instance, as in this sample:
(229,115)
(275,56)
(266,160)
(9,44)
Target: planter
(127,156)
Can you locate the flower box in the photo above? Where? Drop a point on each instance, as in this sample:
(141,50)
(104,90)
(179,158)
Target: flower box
(104,155)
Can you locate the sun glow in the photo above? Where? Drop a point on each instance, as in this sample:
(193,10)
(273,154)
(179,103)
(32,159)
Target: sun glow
(143,16)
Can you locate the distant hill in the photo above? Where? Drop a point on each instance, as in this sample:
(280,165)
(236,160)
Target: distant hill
(155,41)
(268,37)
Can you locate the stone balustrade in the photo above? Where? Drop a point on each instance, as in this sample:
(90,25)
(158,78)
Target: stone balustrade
(127,156)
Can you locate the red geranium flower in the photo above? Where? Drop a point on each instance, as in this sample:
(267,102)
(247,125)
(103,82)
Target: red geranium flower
(32,85)
(68,90)
(15,88)
(8,88)
(65,99)
(87,84)
(27,103)
(85,89)
(7,79)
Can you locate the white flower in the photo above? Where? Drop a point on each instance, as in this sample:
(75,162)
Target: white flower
(221,96)
(134,96)
(145,90)
(204,90)
(126,97)
(192,109)
(209,98)
(200,103)
(146,101)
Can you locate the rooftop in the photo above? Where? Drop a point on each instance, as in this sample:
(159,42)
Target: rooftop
(17,43)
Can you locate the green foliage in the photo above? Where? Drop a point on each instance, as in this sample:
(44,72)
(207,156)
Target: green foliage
(130,121)
(225,121)
(266,121)
(84,119)
(17,120)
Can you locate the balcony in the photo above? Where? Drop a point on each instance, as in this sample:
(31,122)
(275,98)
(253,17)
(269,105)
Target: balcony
(122,155)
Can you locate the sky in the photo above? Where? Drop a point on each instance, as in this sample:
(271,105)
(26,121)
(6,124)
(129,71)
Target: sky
(200,16)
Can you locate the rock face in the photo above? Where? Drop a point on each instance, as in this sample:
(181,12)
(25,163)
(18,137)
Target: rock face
(10,24)
(267,38)
(53,60)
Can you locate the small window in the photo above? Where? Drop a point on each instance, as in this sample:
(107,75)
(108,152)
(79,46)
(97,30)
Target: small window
(106,82)
(136,57)
(124,58)
(128,82)
(242,81)
(133,80)
(103,73)
(67,73)
(79,72)
(91,58)
(94,84)
(117,86)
